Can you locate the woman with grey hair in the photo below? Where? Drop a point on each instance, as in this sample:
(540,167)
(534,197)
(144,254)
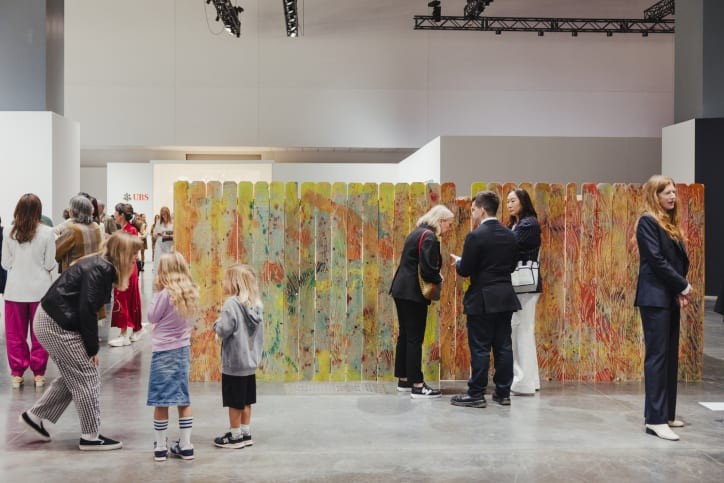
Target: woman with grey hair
(421,254)
(81,237)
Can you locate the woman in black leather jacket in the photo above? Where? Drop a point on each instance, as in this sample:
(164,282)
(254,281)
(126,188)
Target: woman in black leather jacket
(66,324)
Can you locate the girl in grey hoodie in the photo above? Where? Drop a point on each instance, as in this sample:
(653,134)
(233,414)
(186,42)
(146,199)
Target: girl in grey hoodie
(241,330)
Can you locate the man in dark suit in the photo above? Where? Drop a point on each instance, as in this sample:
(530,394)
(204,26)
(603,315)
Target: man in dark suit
(490,254)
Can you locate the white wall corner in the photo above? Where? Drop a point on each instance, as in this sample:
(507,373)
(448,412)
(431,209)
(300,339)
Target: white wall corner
(422,165)
(678,151)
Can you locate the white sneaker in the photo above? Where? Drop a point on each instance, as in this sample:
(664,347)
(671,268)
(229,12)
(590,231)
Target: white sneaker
(136,336)
(119,341)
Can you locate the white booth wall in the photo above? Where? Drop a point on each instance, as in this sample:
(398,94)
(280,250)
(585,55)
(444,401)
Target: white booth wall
(39,153)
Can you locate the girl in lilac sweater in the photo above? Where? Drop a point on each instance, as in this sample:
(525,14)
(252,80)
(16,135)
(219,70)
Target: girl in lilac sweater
(171,313)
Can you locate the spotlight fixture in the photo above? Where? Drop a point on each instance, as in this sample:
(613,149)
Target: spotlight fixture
(474,8)
(291,14)
(609,34)
(436,10)
(540,33)
(574,34)
(228,13)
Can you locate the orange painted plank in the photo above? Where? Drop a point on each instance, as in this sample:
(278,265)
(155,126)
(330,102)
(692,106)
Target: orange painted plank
(323,239)
(447,304)
(386,308)
(338,289)
(355,321)
(571,314)
(370,278)
(588,283)
(307,281)
(290,347)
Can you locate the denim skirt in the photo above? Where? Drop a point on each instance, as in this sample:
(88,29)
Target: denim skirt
(168,384)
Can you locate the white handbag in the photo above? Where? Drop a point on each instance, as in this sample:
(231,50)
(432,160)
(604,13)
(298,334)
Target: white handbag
(525,277)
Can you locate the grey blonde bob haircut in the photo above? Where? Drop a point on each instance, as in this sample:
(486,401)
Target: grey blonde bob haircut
(434,216)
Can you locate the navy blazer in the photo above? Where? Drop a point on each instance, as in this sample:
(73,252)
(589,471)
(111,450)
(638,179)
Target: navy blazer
(663,266)
(490,254)
(527,234)
(406,284)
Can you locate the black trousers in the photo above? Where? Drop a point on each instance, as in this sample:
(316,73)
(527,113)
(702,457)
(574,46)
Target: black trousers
(408,353)
(661,363)
(485,331)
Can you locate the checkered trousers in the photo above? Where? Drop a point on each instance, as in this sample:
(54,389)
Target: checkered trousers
(79,379)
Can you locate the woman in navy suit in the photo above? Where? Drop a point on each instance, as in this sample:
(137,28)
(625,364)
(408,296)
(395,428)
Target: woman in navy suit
(661,293)
(524,223)
(422,249)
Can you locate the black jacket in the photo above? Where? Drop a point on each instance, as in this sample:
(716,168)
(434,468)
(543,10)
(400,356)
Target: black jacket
(405,284)
(663,266)
(490,254)
(527,234)
(3,273)
(76,296)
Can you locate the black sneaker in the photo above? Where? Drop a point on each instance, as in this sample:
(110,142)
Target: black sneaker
(503,401)
(468,401)
(228,441)
(404,386)
(100,444)
(40,431)
(424,392)
(160,454)
(184,454)
(246,439)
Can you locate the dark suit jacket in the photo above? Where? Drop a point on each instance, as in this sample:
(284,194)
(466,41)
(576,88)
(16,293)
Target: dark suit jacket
(662,268)
(405,284)
(490,254)
(3,273)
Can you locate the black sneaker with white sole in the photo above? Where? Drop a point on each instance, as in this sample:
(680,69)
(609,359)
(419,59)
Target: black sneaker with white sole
(424,392)
(184,454)
(100,444)
(39,430)
(246,439)
(228,441)
(404,386)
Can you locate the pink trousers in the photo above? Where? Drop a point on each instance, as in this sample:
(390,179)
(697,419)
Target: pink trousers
(18,319)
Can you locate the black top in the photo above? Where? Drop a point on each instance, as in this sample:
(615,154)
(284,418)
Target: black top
(405,284)
(76,296)
(490,254)
(662,268)
(527,234)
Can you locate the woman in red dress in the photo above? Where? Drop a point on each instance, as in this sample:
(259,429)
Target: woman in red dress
(127,303)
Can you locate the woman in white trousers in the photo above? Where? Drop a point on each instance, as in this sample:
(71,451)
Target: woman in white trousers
(524,223)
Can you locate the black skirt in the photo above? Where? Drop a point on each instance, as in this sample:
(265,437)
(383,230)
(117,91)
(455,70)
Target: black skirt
(238,391)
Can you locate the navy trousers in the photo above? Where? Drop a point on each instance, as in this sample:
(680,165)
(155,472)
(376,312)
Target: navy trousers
(661,363)
(486,331)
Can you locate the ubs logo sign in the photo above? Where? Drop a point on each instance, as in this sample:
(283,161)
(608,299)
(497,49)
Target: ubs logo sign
(136,197)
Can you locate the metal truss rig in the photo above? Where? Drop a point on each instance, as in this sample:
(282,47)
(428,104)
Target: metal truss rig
(609,26)
(659,10)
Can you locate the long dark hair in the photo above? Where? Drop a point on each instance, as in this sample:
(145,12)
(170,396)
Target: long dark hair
(26,218)
(526,207)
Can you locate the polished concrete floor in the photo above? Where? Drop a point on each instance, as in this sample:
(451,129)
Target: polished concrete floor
(368,432)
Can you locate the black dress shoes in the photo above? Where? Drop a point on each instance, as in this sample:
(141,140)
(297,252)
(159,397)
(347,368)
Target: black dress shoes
(503,401)
(466,400)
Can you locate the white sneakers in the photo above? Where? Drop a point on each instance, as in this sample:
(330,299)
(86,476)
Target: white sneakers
(663,431)
(120,341)
(136,336)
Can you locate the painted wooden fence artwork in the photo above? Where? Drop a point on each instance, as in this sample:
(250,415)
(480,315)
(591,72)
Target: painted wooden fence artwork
(325,254)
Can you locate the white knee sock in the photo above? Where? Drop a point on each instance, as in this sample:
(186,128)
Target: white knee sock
(184,425)
(245,429)
(160,428)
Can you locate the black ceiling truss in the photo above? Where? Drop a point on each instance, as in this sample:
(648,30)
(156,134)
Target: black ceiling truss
(291,14)
(533,24)
(659,10)
(228,13)
(654,21)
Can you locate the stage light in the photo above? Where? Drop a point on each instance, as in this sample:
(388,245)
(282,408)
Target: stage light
(291,14)
(436,10)
(574,34)
(228,13)
(609,34)
(498,32)
(644,34)
(540,33)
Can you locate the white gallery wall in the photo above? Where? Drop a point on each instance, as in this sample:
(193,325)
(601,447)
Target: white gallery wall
(422,165)
(39,153)
(678,151)
(93,180)
(130,183)
(360,76)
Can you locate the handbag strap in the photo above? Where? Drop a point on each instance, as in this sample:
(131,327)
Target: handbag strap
(419,244)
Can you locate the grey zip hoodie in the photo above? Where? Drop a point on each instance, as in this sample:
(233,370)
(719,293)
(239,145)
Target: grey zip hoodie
(241,331)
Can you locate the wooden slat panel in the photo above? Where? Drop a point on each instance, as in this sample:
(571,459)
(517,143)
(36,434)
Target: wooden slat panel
(245,213)
(447,299)
(588,282)
(338,290)
(355,321)
(463,226)
(290,347)
(323,239)
(259,231)
(201,359)
(620,305)
(571,314)
(307,281)
(370,277)
(273,276)
(633,330)
(431,341)
(385,304)
(692,321)
(182,224)
(401,231)
(605,328)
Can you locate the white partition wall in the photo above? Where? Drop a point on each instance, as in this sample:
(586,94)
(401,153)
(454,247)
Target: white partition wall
(332,172)
(678,151)
(39,153)
(131,183)
(422,165)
